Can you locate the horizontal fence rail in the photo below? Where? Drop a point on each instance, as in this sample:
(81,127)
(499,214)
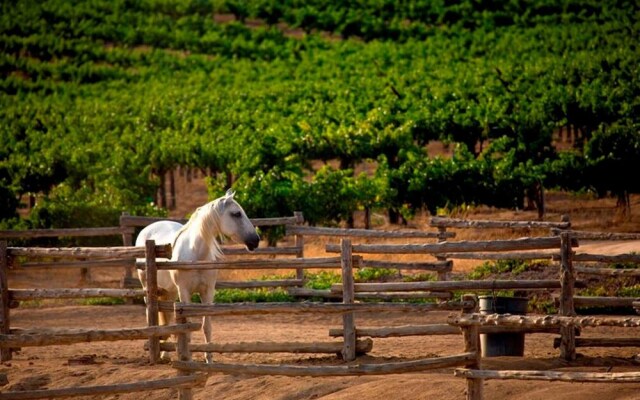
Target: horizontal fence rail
(550,375)
(70,293)
(463,223)
(186,381)
(188,310)
(329,370)
(435,329)
(586,235)
(65,337)
(552,242)
(65,232)
(320,262)
(366,233)
(163,250)
(454,285)
(362,346)
(547,320)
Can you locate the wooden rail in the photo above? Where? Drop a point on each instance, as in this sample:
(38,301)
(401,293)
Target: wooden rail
(365,233)
(328,370)
(177,382)
(552,242)
(66,232)
(622,377)
(127,252)
(489,224)
(66,337)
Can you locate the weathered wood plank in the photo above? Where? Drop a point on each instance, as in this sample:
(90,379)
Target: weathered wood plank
(68,336)
(585,235)
(435,329)
(452,285)
(463,223)
(329,370)
(163,250)
(142,386)
(69,293)
(72,232)
(195,310)
(539,243)
(366,233)
(546,320)
(610,377)
(602,342)
(320,262)
(362,346)
(117,263)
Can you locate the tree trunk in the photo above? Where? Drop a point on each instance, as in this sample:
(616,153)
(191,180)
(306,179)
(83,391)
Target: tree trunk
(172,188)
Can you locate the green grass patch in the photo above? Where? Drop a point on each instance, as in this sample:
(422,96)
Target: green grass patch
(491,268)
(376,275)
(102,301)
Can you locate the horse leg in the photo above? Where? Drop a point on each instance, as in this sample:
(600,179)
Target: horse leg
(164,318)
(207,298)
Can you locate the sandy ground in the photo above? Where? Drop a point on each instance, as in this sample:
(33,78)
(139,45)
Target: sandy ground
(126,361)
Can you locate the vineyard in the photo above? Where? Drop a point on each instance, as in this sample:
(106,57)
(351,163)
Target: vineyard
(313,106)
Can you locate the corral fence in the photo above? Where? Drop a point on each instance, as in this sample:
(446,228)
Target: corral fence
(352,343)
(583,265)
(11,339)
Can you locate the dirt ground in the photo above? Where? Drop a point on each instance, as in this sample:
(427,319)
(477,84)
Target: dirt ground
(102,363)
(126,361)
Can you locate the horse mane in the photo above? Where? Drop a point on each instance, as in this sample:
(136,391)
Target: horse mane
(206,219)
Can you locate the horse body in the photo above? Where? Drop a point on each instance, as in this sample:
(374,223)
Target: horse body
(196,241)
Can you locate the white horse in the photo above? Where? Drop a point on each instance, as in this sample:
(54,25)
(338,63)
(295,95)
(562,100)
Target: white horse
(196,241)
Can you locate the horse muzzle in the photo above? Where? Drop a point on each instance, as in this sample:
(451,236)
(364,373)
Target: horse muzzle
(252,242)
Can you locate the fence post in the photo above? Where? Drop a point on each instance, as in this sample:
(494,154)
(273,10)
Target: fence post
(348,297)
(471,337)
(127,240)
(567,282)
(299,239)
(152,298)
(5,328)
(442,230)
(182,348)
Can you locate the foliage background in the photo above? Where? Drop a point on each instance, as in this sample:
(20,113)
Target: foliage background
(102,99)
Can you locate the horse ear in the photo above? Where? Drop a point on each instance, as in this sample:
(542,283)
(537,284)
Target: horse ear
(230,193)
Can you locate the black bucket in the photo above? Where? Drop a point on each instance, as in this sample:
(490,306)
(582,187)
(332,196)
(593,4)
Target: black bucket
(502,344)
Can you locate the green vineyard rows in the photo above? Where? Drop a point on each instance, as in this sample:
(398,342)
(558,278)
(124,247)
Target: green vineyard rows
(100,99)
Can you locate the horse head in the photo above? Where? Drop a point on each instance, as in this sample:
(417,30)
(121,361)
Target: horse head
(234,223)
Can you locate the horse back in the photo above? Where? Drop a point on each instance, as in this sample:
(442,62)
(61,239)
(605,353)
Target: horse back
(163,232)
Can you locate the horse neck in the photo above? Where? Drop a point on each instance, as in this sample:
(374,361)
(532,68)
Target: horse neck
(198,238)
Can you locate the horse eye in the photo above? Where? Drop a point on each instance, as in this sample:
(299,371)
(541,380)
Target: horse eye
(236,214)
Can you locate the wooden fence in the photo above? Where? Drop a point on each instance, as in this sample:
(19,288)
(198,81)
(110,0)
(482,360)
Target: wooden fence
(583,265)
(355,339)
(64,336)
(471,324)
